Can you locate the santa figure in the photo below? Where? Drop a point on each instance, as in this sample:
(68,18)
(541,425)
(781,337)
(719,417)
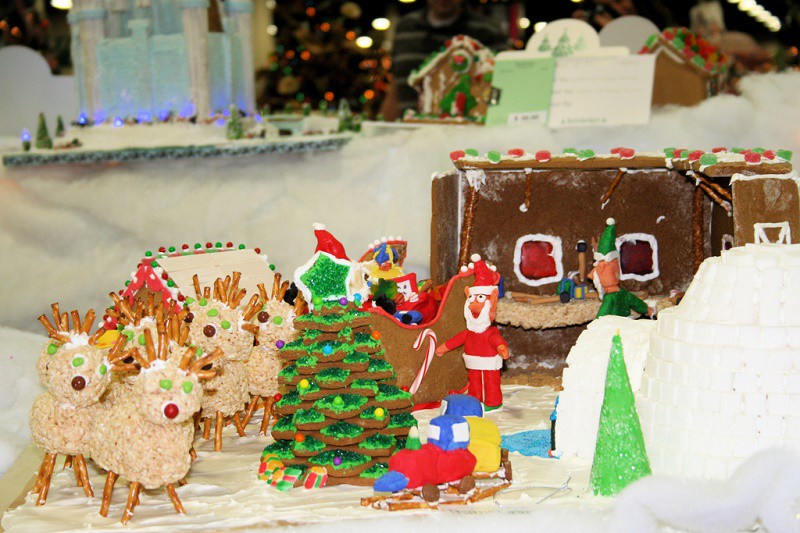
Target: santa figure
(413,307)
(484,347)
(606,275)
(327,243)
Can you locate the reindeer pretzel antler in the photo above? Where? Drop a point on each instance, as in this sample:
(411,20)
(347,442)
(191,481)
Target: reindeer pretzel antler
(300,305)
(196,368)
(276,285)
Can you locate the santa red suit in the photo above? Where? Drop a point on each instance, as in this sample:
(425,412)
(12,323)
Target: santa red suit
(420,305)
(484,347)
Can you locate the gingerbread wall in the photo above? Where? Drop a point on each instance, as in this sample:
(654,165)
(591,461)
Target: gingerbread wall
(675,82)
(765,200)
(566,204)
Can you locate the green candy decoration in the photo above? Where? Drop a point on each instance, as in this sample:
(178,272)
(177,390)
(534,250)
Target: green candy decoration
(203,302)
(128,334)
(494,156)
(212,312)
(271,266)
(102,369)
(142,340)
(218,244)
(784,154)
(78,361)
(165,384)
(585,154)
(758,150)
(620,457)
(187,387)
(669,152)
(708,159)
(241,246)
(736,150)
(148,253)
(52,349)
(171,249)
(225,324)
(471,151)
(189,300)
(277,320)
(685,154)
(570,151)
(198,352)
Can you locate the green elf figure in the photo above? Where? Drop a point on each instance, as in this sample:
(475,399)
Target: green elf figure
(605,276)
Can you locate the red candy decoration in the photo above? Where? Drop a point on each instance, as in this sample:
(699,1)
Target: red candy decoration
(769,154)
(162,249)
(171,410)
(209,245)
(258,250)
(405,388)
(165,276)
(456,155)
(719,149)
(229,244)
(615,151)
(181,297)
(277,397)
(752,157)
(695,156)
(543,156)
(516,152)
(184,247)
(626,153)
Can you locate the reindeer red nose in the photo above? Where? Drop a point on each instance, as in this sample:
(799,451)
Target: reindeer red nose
(78,382)
(171,410)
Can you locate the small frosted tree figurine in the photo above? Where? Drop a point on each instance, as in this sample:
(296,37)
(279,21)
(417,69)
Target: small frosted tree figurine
(545,46)
(43,139)
(620,457)
(59,126)
(563,46)
(345,118)
(580,44)
(235,128)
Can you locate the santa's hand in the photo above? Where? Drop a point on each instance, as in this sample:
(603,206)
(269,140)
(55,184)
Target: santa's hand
(503,351)
(398,298)
(441,350)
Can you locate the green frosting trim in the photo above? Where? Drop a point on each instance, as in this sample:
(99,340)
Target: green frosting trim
(365,340)
(391,392)
(330,318)
(379,365)
(290,398)
(349,402)
(375,471)
(369,414)
(346,332)
(403,420)
(310,444)
(308,416)
(349,459)
(307,361)
(311,334)
(378,442)
(356,358)
(284,424)
(342,430)
(332,375)
(281,448)
(365,384)
(313,386)
(288,373)
(326,278)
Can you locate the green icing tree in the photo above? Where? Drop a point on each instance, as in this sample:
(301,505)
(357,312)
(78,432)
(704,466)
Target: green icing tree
(235,128)
(463,86)
(43,139)
(545,46)
(59,126)
(620,457)
(340,407)
(580,44)
(563,46)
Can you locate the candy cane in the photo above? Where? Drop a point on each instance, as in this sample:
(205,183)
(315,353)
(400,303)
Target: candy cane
(428,357)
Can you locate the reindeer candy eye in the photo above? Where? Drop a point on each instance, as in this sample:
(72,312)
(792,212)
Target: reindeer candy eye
(102,369)
(263,316)
(209,331)
(165,384)
(78,383)
(78,361)
(52,349)
(187,387)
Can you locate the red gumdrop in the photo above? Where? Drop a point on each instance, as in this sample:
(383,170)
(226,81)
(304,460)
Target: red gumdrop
(181,297)
(516,152)
(752,157)
(165,276)
(229,244)
(209,245)
(695,156)
(616,150)
(457,154)
(184,247)
(719,149)
(405,388)
(769,154)
(171,410)
(626,153)
(162,249)
(258,250)
(543,156)
(277,397)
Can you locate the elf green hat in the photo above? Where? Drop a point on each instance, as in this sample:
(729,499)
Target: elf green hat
(607,247)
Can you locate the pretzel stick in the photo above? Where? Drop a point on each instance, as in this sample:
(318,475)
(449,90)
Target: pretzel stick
(143,362)
(234,289)
(86,326)
(282,292)
(56,314)
(148,345)
(122,368)
(225,285)
(188,355)
(55,335)
(76,321)
(198,365)
(96,336)
(207,429)
(234,303)
(722,203)
(184,336)
(207,293)
(716,186)
(276,284)
(218,432)
(250,328)
(163,343)
(64,322)
(614,183)
(262,290)
(300,305)
(197,290)
(252,308)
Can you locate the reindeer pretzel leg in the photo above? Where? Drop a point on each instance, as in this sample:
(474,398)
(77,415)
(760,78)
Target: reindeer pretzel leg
(133,497)
(251,409)
(176,502)
(192,454)
(108,490)
(37,486)
(50,459)
(80,464)
(207,429)
(237,421)
(182,482)
(218,432)
(77,472)
(269,407)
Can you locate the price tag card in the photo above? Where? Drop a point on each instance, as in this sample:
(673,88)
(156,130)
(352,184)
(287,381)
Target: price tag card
(521,91)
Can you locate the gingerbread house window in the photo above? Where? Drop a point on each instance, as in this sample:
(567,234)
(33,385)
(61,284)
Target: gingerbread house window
(537,259)
(638,256)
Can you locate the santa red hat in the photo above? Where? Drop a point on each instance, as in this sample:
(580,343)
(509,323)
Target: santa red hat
(486,277)
(328,243)
(411,278)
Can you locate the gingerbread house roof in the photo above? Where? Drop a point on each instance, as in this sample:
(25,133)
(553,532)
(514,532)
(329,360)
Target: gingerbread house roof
(169,271)
(485,57)
(686,47)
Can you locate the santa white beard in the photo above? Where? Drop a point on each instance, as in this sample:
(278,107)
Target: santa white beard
(482,323)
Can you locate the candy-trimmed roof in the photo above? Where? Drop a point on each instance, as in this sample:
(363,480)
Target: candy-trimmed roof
(465,42)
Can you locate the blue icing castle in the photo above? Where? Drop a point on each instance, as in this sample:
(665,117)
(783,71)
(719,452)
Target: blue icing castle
(149,58)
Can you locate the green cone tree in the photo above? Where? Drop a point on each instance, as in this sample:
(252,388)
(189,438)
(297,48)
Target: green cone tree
(545,46)
(235,128)
(620,457)
(59,126)
(563,46)
(43,139)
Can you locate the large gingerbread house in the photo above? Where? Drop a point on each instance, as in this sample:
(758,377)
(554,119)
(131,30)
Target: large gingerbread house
(533,215)
(455,81)
(688,68)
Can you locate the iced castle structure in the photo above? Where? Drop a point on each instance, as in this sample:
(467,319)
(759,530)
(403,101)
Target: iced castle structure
(148,58)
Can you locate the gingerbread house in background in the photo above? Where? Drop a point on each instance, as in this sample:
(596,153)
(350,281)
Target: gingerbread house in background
(533,215)
(168,273)
(455,81)
(688,68)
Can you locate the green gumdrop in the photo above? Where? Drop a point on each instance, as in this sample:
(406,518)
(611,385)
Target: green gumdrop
(586,154)
(78,361)
(317,301)
(784,154)
(736,150)
(708,159)
(620,457)
(225,324)
(758,150)
(203,302)
(142,340)
(148,253)
(494,156)
(165,384)
(685,154)
(241,246)
(52,349)
(668,152)
(471,151)
(570,151)
(338,401)
(187,387)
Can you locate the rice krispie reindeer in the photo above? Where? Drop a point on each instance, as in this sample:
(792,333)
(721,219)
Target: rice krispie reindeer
(218,322)
(74,370)
(274,327)
(147,436)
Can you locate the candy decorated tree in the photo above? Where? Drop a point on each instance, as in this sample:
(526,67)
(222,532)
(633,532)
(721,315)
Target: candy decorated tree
(341,410)
(43,140)
(620,457)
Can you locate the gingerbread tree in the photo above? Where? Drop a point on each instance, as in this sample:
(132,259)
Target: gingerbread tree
(620,457)
(340,409)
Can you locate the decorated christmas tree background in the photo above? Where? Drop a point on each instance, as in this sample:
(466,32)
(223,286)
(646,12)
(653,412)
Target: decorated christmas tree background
(341,409)
(620,457)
